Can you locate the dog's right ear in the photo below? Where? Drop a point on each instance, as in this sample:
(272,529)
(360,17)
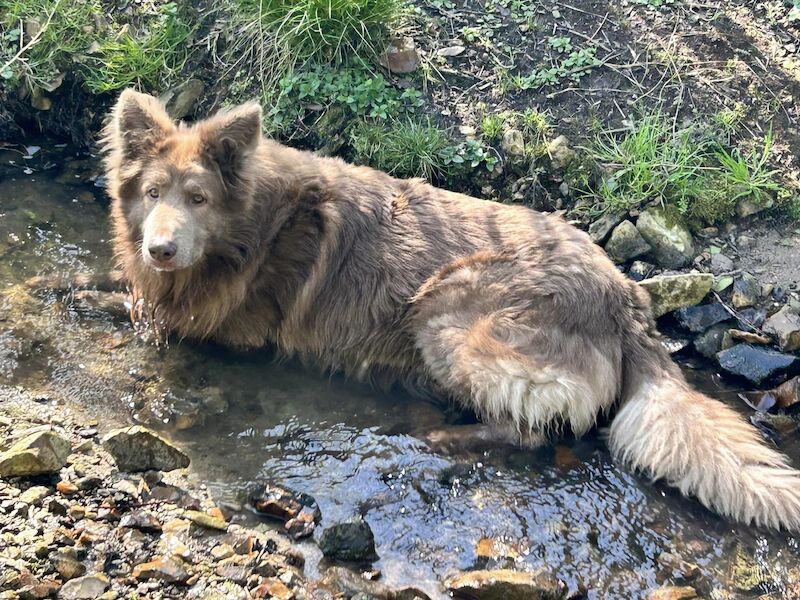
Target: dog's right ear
(138,122)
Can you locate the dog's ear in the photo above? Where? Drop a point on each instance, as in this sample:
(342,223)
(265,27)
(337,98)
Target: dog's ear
(232,136)
(139,121)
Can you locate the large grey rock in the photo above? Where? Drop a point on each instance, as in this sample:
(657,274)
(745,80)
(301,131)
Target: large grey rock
(505,584)
(784,325)
(84,588)
(756,364)
(699,318)
(709,343)
(139,449)
(626,243)
(601,228)
(352,540)
(671,292)
(671,242)
(721,264)
(180,100)
(37,454)
(559,153)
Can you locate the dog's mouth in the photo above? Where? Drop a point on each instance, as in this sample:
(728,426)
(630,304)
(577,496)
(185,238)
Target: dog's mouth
(165,266)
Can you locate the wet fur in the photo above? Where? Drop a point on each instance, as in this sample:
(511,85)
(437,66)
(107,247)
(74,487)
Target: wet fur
(512,313)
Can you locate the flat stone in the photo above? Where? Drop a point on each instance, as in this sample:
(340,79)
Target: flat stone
(671,243)
(161,569)
(352,540)
(273,588)
(66,564)
(746,574)
(139,449)
(626,243)
(513,142)
(401,56)
(746,291)
(34,495)
(721,264)
(505,584)
(600,229)
(40,453)
(671,292)
(784,325)
(142,521)
(699,318)
(754,363)
(673,593)
(206,520)
(640,270)
(84,588)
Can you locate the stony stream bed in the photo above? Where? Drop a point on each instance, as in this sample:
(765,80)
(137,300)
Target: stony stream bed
(67,362)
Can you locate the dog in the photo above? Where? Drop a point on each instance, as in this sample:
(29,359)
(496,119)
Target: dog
(514,314)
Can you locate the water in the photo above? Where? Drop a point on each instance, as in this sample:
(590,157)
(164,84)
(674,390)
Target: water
(245,418)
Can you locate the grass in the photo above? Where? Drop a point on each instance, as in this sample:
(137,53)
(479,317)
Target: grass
(417,149)
(60,29)
(143,61)
(685,168)
(533,124)
(43,39)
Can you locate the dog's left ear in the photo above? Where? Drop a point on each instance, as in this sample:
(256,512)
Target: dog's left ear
(232,136)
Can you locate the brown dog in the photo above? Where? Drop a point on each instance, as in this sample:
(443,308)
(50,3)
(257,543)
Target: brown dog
(514,314)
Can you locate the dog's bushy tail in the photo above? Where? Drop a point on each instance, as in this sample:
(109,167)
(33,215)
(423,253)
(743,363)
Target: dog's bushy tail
(671,432)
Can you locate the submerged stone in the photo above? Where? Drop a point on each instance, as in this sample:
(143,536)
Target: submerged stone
(673,593)
(505,584)
(139,449)
(41,453)
(671,292)
(352,540)
(755,364)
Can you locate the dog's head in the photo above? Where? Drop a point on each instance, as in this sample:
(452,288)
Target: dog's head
(179,189)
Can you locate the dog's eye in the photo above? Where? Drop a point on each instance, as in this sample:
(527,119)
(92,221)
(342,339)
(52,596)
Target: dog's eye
(198,199)
(152,192)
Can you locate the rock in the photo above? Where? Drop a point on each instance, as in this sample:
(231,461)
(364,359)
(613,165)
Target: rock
(298,511)
(721,264)
(222,551)
(34,495)
(40,453)
(88,588)
(206,520)
(139,449)
(751,318)
(451,50)
(530,191)
(401,56)
(352,540)
(754,363)
(38,589)
(66,563)
(745,291)
(746,207)
(505,584)
(673,593)
(600,229)
(784,325)
(180,101)
(66,488)
(142,521)
(513,143)
(273,588)
(626,243)
(640,270)
(699,318)
(737,336)
(161,569)
(671,292)
(677,569)
(785,395)
(746,574)
(671,243)
(236,573)
(560,153)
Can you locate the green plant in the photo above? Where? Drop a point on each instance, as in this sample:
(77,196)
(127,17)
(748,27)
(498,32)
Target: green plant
(144,60)
(730,119)
(355,88)
(492,127)
(574,66)
(747,175)
(416,149)
(324,29)
(560,44)
(39,39)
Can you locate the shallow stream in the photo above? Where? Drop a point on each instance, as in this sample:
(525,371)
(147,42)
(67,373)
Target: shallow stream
(245,418)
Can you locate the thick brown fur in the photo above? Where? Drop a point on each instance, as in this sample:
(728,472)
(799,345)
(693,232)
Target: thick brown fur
(513,313)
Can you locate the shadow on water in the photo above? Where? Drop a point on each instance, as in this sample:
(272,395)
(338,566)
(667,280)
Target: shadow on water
(245,418)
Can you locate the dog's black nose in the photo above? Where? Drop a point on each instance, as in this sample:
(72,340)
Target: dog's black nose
(162,251)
